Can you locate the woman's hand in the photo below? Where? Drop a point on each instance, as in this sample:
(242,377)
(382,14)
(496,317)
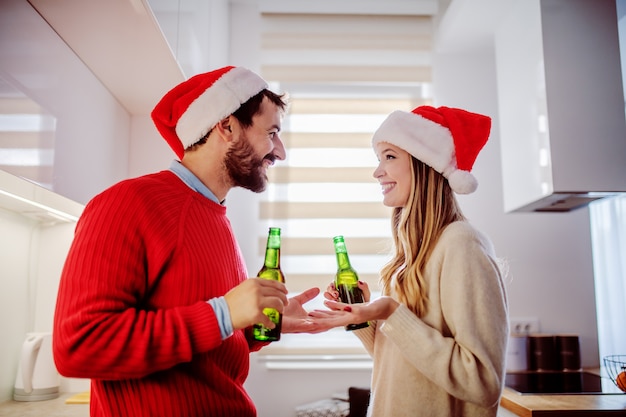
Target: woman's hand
(332,294)
(342,314)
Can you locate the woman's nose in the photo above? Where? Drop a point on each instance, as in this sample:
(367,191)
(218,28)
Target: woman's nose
(378,172)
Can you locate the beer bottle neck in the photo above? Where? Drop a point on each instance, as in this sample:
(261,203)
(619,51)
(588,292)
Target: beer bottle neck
(272,257)
(343,261)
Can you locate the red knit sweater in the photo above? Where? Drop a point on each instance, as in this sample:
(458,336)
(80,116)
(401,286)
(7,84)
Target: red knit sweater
(131,311)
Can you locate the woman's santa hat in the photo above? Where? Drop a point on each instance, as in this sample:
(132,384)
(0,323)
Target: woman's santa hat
(444,138)
(191,109)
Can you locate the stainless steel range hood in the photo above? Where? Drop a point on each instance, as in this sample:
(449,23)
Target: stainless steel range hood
(561,104)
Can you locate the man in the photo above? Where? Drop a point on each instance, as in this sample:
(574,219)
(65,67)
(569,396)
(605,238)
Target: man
(154,303)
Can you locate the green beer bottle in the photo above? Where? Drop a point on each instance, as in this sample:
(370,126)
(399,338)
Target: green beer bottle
(346,280)
(271,270)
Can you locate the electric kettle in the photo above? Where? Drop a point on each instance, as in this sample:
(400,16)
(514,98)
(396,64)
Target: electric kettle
(37,377)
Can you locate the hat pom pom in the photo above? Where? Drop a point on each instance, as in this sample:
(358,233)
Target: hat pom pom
(462,182)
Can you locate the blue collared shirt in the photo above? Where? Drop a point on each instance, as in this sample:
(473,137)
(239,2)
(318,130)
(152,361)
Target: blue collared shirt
(218,303)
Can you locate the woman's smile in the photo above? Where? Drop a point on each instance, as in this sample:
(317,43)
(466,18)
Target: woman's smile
(387,186)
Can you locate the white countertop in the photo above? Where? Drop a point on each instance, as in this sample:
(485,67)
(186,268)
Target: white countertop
(48,408)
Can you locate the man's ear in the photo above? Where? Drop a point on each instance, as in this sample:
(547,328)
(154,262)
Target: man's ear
(224,128)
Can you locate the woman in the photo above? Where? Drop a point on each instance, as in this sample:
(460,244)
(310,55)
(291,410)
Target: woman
(438,334)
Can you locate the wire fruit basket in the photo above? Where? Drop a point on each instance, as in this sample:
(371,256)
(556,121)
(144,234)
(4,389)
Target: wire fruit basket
(616,368)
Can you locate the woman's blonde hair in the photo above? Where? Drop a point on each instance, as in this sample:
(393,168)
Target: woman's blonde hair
(431,206)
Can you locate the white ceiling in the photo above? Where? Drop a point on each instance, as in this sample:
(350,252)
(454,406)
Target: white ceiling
(124,46)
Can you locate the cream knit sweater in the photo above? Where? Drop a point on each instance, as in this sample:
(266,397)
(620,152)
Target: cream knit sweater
(451,361)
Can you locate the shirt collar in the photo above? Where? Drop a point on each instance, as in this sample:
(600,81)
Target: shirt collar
(192,181)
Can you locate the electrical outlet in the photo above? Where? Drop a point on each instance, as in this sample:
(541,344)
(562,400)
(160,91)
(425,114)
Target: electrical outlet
(524,325)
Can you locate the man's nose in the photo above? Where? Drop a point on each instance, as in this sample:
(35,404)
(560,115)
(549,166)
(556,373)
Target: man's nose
(279,148)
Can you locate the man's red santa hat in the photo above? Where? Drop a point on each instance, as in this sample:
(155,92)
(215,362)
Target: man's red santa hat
(191,109)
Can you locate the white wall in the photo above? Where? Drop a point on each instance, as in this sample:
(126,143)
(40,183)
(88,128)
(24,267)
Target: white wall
(32,256)
(16,293)
(148,150)
(276,393)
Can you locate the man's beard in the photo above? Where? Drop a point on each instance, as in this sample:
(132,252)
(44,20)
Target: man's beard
(244,168)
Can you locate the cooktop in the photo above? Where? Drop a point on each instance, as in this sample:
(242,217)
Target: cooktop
(560,383)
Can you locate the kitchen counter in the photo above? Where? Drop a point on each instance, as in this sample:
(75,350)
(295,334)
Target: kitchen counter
(563,405)
(520,405)
(48,408)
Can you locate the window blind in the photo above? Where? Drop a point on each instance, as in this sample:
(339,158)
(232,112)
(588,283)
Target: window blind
(325,188)
(344,74)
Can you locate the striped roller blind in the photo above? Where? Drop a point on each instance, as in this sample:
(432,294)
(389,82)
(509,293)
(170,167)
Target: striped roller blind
(325,188)
(344,72)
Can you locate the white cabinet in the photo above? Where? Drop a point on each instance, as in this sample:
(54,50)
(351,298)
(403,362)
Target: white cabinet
(561,104)
(35,202)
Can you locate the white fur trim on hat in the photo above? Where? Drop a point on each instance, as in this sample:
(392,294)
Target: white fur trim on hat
(462,182)
(220,100)
(429,142)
